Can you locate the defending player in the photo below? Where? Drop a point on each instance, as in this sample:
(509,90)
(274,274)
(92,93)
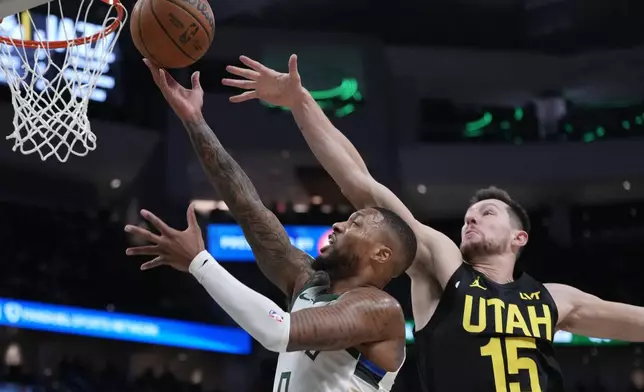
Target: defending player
(343,332)
(492,329)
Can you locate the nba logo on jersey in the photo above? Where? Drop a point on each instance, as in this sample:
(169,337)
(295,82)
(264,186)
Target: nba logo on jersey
(275,316)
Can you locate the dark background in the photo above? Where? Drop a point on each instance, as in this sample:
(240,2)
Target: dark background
(557,84)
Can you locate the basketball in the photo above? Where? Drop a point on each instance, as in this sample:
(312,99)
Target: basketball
(172,33)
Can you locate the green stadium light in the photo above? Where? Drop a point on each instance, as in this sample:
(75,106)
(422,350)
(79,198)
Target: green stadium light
(327,99)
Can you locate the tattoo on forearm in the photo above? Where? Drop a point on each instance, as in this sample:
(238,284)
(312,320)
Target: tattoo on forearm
(264,232)
(364,317)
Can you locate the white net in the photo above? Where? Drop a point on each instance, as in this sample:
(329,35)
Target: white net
(51,86)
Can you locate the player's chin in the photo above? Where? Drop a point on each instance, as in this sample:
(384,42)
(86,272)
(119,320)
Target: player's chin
(329,249)
(325,259)
(466,244)
(320,263)
(468,248)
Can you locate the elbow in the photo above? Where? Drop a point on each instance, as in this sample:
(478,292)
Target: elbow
(274,339)
(573,323)
(583,318)
(270,345)
(357,189)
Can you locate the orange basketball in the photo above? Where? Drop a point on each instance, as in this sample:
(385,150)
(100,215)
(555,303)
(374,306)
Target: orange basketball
(172,33)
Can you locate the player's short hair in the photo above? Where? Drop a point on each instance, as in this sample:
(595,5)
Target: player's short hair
(405,235)
(517,213)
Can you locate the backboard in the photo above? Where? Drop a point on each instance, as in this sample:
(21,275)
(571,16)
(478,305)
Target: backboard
(11,7)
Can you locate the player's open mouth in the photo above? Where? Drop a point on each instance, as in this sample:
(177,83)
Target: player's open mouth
(330,241)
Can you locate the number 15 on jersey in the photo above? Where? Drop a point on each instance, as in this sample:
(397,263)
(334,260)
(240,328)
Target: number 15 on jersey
(515,363)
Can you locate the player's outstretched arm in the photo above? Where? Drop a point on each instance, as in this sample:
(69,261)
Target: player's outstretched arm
(437,255)
(285,265)
(588,315)
(365,315)
(334,151)
(340,158)
(358,317)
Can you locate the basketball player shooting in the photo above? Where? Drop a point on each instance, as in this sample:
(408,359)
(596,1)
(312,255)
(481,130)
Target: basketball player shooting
(472,314)
(343,333)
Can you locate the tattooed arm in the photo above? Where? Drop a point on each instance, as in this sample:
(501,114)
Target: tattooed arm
(285,265)
(363,315)
(365,318)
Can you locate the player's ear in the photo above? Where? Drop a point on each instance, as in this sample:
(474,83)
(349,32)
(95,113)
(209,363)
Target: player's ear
(382,254)
(520,238)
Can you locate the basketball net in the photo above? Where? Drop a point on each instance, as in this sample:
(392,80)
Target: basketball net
(51,81)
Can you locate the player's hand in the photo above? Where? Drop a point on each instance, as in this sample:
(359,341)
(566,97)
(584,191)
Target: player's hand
(186,103)
(276,88)
(173,247)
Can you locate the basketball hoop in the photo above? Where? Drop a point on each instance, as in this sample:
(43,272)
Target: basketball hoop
(52,80)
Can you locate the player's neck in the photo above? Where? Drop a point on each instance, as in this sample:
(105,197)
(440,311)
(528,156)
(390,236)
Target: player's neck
(343,285)
(497,268)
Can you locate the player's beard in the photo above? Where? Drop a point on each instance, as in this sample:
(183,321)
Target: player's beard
(472,251)
(336,264)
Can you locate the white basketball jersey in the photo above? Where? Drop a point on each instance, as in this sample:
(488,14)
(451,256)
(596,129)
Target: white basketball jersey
(327,371)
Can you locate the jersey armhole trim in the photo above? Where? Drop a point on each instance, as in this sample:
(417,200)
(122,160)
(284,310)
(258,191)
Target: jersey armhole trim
(554,308)
(310,282)
(442,308)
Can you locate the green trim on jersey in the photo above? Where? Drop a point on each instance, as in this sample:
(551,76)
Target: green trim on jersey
(325,297)
(309,284)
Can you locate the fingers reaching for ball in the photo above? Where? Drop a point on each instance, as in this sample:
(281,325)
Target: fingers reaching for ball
(240,83)
(243,97)
(267,84)
(243,72)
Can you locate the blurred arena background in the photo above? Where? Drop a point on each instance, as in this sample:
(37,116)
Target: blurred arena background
(542,97)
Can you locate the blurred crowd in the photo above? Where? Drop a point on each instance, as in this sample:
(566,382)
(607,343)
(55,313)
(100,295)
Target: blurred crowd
(583,374)
(74,375)
(77,258)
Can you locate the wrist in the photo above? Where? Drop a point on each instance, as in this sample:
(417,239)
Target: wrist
(202,259)
(195,117)
(301,97)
